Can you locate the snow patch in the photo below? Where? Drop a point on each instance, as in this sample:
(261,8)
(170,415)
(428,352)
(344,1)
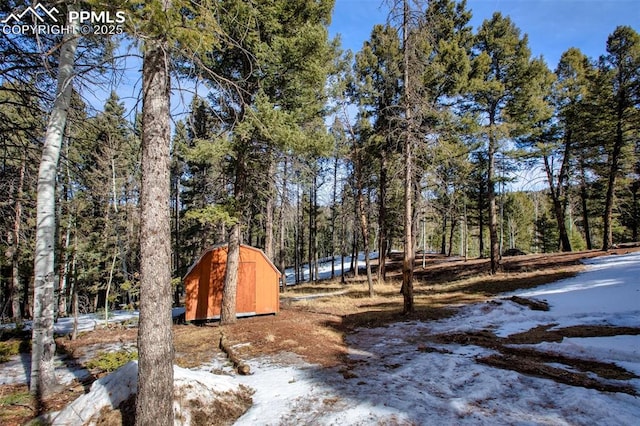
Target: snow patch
(195,394)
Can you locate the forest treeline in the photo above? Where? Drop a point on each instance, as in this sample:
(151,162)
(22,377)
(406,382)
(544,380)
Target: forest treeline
(311,152)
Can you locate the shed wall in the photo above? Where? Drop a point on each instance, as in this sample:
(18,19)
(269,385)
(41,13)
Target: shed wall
(257,285)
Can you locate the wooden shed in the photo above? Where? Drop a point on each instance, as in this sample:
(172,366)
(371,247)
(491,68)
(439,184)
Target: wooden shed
(258,284)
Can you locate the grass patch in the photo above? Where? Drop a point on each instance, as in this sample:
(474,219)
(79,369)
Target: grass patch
(20,397)
(195,345)
(16,404)
(9,349)
(111,361)
(12,348)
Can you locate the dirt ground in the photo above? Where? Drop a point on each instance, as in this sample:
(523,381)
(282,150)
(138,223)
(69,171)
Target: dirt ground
(315,327)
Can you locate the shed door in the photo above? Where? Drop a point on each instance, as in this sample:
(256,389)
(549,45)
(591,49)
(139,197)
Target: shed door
(246,293)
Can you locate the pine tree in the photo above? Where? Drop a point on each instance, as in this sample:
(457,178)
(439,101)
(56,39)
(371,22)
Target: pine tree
(621,65)
(378,89)
(156,23)
(20,126)
(275,64)
(569,92)
(500,67)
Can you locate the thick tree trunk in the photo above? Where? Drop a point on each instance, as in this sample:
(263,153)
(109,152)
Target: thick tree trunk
(493,211)
(43,379)
(230,289)
(154,403)
(228,311)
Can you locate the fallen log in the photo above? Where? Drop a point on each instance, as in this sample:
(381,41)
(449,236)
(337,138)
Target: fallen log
(240,366)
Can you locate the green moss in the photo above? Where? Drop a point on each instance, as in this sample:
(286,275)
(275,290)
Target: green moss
(111,361)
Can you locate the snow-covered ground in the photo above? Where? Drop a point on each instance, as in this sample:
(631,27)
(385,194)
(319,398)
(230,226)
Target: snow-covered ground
(393,380)
(324,267)
(397,383)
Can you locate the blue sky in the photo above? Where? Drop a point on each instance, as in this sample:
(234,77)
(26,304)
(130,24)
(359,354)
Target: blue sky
(553,26)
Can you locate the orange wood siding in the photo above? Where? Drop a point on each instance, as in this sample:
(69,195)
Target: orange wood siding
(258,287)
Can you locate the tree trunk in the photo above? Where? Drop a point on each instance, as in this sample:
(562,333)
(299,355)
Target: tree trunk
(454,222)
(409,254)
(465,230)
(268,221)
(154,402)
(281,222)
(354,245)
(43,379)
(106,297)
(334,210)
(607,238)
(382,220)
(228,311)
(491,195)
(311,255)
(63,286)
(481,220)
(364,226)
(365,241)
(635,210)
(316,266)
(584,196)
(64,272)
(556,191)
(74,289)
(343,240)
(443,242)
(14,245)
(299,251)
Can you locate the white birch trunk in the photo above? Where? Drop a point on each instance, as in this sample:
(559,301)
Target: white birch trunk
(43,379)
